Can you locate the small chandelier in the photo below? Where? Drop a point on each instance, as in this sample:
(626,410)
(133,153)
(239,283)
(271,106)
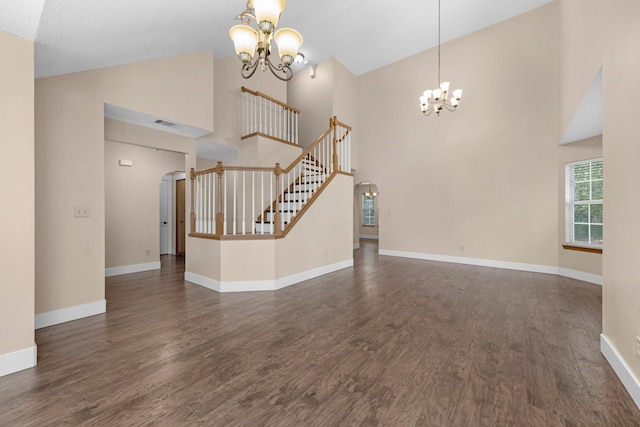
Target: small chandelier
(370,194)
(436,99)
(253,47)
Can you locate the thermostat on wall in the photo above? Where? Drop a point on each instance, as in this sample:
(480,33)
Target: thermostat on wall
(126,163)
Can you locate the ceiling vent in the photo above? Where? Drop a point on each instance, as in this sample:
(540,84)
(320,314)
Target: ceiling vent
(168,124)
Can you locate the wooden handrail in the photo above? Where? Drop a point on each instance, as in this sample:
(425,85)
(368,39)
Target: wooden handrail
(291,166)
(307,151)
(339,123)
(265,96)
(235,168)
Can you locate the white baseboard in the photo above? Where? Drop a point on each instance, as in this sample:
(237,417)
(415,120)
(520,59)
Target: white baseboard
(135,268)
(55,317)
(265,285)
(534,268)
(473,261)
(203,281)
(628,379)
(580,275)
(312,274)
(356,246)
(18,360)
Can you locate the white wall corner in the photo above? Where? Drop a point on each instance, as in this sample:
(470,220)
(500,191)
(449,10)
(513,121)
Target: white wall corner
(622,370)
(55,317)
(135,268)
(18,360)
(534,268)
(580,275)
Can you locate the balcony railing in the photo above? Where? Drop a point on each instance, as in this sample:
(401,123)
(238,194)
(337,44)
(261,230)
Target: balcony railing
(269,117)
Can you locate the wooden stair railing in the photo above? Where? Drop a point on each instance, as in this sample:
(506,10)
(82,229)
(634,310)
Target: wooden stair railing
(263,202)
(268,117)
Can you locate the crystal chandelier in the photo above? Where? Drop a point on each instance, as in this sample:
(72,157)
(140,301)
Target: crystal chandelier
(253,46)
(436,99)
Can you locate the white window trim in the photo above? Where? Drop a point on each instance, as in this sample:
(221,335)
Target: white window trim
(364,197)
(570,203)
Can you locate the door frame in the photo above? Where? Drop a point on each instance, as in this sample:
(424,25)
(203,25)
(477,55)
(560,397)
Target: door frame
(171,214)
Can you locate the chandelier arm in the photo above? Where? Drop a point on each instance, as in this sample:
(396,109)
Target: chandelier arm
(280,68)
(246,17)
(449,107)
(428,112)
(250,68)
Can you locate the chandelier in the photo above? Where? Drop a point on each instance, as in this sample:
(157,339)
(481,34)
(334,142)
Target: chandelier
(253,46)
(436,99)
(370,194)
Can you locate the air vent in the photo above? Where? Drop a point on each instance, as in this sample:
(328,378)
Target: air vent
(168,124)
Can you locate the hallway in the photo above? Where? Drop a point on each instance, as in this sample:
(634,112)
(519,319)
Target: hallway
(391,341)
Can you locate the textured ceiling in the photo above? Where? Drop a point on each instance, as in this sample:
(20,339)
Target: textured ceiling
(78,35)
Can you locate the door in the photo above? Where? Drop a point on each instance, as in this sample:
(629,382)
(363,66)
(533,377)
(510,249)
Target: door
(180,217)
(165,202)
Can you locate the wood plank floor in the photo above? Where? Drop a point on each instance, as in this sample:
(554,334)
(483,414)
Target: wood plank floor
(392,341)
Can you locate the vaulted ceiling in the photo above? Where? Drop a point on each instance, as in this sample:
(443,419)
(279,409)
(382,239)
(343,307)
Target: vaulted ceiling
(78,35)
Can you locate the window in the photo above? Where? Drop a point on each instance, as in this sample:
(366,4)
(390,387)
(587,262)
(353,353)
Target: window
(368,210)
(583,203)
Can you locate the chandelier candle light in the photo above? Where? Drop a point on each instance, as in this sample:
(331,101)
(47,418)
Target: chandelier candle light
(253,46)
(436,99)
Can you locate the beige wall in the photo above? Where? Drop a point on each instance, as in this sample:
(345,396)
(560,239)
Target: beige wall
(576,260)
(323,235)
(265,152)
(253,260)
(17,194)
(132,202)
(70,252)
(314,99)
(480,182)
(345,104)
(621,151)
(582,50)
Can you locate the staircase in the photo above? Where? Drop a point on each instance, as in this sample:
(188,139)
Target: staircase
(246,202)
(294,197)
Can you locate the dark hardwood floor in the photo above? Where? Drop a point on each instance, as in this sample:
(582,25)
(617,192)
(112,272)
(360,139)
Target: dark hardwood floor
(392,341)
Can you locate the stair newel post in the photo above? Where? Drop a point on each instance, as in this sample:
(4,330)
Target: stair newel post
(220,192)
(192,215)
(332,124)
(277,217)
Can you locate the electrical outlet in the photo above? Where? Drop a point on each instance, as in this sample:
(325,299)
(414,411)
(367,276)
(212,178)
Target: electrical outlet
(81,212)
(147,252)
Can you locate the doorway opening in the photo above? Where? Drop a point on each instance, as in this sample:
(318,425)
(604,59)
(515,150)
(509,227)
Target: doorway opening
(366,209)
(172,214)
